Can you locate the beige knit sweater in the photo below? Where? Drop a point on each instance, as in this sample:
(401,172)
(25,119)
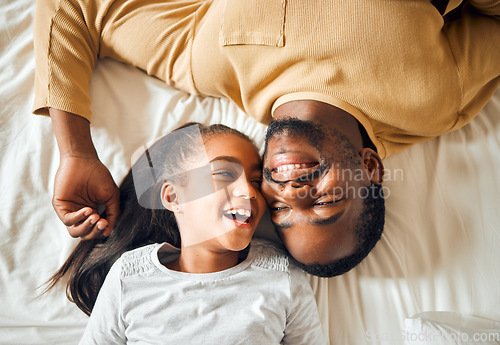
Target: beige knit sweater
(394,65)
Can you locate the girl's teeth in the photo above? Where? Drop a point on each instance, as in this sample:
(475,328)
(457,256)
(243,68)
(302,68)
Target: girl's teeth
(241,212)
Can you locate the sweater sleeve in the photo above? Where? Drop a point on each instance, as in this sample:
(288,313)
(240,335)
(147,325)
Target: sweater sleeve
(71,35)
(106,324)
(474,39)
(303,326)
(66,39)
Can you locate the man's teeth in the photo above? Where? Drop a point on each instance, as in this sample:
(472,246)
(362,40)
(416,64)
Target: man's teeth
(287,167)
(240,211)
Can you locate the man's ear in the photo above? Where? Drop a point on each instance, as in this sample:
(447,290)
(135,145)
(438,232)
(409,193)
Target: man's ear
(373,165)
(169,197)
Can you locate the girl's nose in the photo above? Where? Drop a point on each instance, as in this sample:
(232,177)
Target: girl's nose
(244,189)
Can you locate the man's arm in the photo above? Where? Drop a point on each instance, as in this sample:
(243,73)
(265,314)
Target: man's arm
(82,181)
(66,38)
(474,39)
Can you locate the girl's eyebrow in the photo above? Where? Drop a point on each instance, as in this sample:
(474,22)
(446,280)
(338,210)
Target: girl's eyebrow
(226,158)
(236,160)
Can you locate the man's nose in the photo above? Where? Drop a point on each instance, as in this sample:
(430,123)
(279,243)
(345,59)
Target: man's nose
(295,190)
(295,184)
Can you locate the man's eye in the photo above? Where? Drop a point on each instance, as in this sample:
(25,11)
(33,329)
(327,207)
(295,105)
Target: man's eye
(278,208)
(327,200)
(324,203)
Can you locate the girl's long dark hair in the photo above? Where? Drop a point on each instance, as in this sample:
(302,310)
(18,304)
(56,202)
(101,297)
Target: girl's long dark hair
(137,226)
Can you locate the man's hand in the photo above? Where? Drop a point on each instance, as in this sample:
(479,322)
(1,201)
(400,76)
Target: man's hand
(80,184)
(82,181)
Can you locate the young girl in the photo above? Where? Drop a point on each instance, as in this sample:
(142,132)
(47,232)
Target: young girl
(196,193)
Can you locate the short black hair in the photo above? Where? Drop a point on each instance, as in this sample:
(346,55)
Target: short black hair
(368,232)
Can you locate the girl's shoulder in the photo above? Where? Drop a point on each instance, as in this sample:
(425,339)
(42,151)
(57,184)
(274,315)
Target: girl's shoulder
(276,262)
(137,261)
(268,255)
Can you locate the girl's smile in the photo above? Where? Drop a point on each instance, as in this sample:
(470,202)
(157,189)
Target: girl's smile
(224,221)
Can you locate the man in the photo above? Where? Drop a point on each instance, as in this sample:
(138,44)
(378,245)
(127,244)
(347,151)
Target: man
(322,183)
(364,78)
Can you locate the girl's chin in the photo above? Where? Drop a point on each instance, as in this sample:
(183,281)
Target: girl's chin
(236,247)
(236,239)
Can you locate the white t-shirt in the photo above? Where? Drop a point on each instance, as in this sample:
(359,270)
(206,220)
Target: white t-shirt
(264,300)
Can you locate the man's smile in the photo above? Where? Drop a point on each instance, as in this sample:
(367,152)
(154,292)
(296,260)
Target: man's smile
(292,166)
(294,172)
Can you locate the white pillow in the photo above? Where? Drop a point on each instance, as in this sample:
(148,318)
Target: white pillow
(445,328)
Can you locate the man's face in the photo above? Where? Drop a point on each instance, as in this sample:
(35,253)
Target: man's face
(314,184)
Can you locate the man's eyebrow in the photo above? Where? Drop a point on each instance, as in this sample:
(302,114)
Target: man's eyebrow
(313,221)
(324,221)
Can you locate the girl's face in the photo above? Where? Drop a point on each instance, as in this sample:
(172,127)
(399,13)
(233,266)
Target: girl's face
(225,217)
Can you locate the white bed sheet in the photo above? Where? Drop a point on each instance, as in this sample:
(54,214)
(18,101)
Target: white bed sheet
(439,251)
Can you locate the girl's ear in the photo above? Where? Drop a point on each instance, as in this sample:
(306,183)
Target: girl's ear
(169,197)
(373,165)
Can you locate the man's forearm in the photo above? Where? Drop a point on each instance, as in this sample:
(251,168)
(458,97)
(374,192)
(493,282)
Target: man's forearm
(72,134)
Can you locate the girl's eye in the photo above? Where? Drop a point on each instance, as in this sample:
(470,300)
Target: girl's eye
(224,175)
(257,183)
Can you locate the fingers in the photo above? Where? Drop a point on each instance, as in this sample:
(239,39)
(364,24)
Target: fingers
(86,223)
(82,223)
(81,186)
(87,228)
(71,218)
(112,211)
(96,231)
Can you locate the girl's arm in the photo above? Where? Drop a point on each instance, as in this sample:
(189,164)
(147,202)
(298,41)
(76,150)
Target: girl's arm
(106,325)
(303,325)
